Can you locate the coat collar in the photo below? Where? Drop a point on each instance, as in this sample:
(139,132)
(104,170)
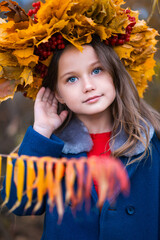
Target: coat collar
(77,139)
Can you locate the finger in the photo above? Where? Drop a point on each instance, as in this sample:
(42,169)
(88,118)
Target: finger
(40,94)
(51,97)
(63,115)
(55,102)
(46,95)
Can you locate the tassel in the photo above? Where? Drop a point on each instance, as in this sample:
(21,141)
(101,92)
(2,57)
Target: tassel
(109,173)
(59,173)
(8,179)
(30,181)
(40,185)
(19,181)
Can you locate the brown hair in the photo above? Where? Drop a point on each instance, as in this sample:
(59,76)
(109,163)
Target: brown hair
(129,111)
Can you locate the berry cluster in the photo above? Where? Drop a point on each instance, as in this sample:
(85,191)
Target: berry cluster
(120,39)
(31,12)
(44,50)
(42,69)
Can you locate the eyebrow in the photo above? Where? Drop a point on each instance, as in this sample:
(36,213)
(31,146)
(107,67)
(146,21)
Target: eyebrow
(71,73)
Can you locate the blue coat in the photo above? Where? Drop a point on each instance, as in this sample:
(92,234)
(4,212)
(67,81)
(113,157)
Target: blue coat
(131,218)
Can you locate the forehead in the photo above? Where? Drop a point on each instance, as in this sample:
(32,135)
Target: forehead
(72,56)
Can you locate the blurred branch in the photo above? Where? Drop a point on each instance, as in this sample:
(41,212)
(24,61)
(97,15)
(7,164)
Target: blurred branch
(155,2)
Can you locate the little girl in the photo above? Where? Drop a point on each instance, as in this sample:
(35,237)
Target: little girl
(89,105)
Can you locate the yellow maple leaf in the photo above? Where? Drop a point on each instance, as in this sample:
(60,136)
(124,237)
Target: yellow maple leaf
(26,56)
(62,8)
(33,89)
(124,51)
(11,72)
(140,26)
(149,68)
(119,24)
(47,61)
(8,25)
(142,73)
(103,32)
(7,59)
(26,76)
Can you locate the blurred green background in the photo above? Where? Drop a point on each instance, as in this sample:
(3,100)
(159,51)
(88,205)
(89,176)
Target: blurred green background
(17,114)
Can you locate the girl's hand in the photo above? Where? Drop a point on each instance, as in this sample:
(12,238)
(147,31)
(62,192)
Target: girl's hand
(46,119)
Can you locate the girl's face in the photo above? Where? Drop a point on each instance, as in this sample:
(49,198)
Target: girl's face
(83,84)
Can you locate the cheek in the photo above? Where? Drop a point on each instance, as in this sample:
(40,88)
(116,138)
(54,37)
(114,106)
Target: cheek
(70,98)
(111,89)
(113,93)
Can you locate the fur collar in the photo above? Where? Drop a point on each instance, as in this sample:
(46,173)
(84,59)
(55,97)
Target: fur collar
(76,139)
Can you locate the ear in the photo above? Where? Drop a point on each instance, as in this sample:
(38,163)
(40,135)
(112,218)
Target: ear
(59,98)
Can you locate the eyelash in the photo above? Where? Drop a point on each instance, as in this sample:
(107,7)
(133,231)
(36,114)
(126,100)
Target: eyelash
(68,80)
(97,68)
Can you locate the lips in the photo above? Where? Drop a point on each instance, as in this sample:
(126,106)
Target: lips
(92,99)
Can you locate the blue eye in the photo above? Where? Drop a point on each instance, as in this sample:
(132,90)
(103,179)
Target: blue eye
(72,79)
(97,70)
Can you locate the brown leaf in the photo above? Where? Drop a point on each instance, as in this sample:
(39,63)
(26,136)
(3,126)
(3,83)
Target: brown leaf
(7,89)
(15,12)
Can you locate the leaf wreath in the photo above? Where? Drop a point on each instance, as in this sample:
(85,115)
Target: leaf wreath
(76,21)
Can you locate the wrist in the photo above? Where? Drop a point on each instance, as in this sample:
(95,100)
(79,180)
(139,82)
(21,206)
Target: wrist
(42,130)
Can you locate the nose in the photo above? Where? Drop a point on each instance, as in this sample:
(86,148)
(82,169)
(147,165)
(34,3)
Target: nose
(88,84)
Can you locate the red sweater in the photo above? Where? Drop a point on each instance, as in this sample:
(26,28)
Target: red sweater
(100,147)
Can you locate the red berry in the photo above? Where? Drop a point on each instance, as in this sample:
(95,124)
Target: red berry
(42,75)
(127,35)
(127,39)
(53,38)
(132,24)
(49,53)
(62,46)
(106,42)
(34,4)
(59,41)
(38,4)
(47,44)
(133,19)
(55,43)
(40,51)
(45,54)
(120,41)
(115,37)
(129,28)
(34,11)
(35,19)
(53,46)
(113,41)
(59,37)
(36,8)
(122,36)
(43,46)
(50,41)
(128,10)
(30,12)
(43,68)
